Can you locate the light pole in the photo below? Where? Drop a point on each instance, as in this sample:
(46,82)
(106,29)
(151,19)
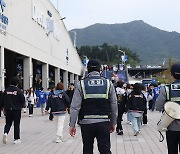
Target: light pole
(75,33)
(123,59)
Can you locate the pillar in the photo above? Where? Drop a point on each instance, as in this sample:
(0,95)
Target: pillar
(76,79)
(65,79)
(57,75)
(71,78)
(27,73)
(45,76)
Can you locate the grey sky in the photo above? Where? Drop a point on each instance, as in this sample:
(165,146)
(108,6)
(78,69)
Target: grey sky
(163,14)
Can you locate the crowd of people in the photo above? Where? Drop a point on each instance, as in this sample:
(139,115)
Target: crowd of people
(95,104)
(13,101)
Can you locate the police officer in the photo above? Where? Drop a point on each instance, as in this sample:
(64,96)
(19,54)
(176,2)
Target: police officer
(171,93)
(13,101)
(95,104)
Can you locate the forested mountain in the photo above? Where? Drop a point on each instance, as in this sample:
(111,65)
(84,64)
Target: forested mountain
(150,43)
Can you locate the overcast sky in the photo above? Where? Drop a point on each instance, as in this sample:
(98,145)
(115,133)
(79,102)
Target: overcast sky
(163,14)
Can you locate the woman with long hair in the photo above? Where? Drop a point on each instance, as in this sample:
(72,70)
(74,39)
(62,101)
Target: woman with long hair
(136,105)
(31,101)
(58,102)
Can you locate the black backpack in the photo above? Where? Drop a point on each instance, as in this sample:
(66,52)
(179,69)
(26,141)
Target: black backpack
(137,102)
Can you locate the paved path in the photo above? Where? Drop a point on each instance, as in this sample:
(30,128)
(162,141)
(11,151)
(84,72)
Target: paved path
(38,135)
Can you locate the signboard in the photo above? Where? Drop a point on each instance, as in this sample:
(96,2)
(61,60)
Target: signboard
(45,21)
(3,19)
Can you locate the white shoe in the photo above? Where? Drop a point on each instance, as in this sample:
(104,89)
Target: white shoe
(4,140)
(17,141)
(58,140)
(30,115)
(129,122)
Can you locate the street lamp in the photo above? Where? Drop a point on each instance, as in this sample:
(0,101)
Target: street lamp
(62,18)
(124,54)
(75,33)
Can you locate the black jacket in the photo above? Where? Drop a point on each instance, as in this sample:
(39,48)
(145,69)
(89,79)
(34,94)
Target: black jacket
(122,104)
(70,93)
(13,99)
(136,102)
(58,103)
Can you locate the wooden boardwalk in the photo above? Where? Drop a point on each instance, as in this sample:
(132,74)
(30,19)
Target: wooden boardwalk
(38,135)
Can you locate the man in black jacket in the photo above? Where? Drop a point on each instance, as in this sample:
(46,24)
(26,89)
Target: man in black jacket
(13,101)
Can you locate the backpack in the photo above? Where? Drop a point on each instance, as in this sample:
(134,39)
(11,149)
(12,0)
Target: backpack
(119,98)
(137,102)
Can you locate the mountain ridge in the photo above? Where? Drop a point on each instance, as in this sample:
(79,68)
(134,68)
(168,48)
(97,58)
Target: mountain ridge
(150,43)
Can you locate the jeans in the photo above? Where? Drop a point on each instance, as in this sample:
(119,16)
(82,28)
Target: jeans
(153,105)
(13,116)
(136,123)
(100,131)
(43,105)
(129,116)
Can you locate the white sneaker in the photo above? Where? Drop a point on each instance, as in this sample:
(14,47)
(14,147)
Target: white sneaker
(4,140)
(58,140)
(17,141)
(30,115)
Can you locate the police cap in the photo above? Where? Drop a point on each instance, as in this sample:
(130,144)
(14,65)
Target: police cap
(175,70)
(93,65)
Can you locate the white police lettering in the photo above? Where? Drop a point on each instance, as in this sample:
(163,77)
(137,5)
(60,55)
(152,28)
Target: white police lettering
(95,82)
(11,92)
(175,86)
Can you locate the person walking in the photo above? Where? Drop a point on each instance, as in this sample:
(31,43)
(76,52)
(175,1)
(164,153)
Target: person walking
(129,89)
(150,92)
(136,105)
(13,102)
(95,104)
(70,91)
(26,100)
(155,91)
(58,102)
(171,93)
(1,96)
(42,99)
(148,98)
(31,101)
(122,101)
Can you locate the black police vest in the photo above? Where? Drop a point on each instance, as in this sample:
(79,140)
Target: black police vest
(173,92)
(95,102)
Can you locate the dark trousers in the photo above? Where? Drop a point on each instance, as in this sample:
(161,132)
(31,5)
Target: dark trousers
(13,116)
(145,117)
(100,131)
(173,141)
(30,106)
(0,112)
(51,117)
(119,120)
(150,104)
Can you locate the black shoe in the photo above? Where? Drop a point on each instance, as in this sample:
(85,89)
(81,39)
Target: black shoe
(120,133)
(117,130)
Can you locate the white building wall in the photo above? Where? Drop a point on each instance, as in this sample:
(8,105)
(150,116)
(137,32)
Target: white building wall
(27,37)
